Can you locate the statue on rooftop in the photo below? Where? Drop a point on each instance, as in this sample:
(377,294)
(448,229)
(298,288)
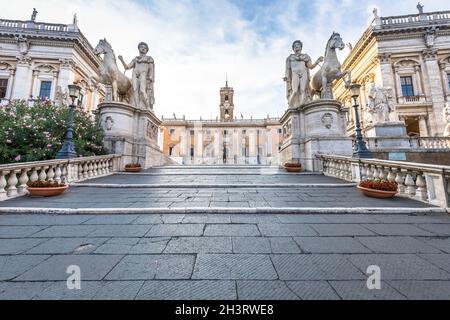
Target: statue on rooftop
(34,14)
(420,7)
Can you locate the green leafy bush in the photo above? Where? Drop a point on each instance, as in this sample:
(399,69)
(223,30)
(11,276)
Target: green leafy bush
(37,132)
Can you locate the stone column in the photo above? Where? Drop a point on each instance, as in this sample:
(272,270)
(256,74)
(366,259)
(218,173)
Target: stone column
(398,84)
(200,146)
(252,145)
(387,75)
(216,145)
(236,144)
(66,74)
(436,92)
(269,142)
(445,79)
(22,82)
(34,90)
(12,73)
(423,126)
(418,81)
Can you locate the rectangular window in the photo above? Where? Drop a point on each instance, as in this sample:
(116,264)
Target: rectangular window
(280,131)
(244,132)
(192,132)
(172,132)
(3,87)
(192,152)
(46,89)
(170,151)
(407,86)
(225,132)
(448,80)
(244,152)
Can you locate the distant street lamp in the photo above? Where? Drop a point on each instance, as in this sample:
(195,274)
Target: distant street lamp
(361,150)
(68,149)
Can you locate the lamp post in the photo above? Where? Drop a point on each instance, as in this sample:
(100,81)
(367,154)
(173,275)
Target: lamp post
(68,149)
(361,150)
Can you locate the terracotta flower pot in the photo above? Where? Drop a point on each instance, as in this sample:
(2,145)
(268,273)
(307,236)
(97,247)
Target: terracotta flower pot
(134,169)
(47,192)
(377,193)
(293,167)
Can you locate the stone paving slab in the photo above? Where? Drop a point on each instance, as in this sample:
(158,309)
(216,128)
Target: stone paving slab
(270,256)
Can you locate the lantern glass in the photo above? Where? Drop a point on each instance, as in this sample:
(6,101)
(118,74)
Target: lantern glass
(74,91)
(355,90)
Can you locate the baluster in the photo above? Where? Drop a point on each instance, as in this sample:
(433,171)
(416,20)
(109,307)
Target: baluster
(342,170)
(363,172)
(94,169)
(369,172)
(392,175)
(58,174)
(375,172)
(410,185)
(91,168)
(400,179)
(23,180)
(105,166)
(3,184)
(80,172)
(12,183)
(42,174)
(382,173)
(50,174)
(85,170)
(421,184)
(65,174)
(34,175)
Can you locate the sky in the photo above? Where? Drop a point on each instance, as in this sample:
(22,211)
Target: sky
(195,43)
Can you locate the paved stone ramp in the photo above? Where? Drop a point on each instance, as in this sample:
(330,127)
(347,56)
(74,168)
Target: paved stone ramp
(218,189)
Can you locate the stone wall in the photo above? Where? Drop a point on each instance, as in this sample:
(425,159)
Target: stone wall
(427,156)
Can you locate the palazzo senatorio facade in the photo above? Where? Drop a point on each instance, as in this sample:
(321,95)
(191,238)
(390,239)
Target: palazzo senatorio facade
(226,140)
(39,60)
(409,57)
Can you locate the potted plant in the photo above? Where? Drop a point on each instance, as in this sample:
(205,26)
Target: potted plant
(133,167)
(292,167)
(381,189)
(46,188)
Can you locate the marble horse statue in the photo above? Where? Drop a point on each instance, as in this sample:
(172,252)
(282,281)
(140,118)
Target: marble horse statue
(322,81)
(110,73)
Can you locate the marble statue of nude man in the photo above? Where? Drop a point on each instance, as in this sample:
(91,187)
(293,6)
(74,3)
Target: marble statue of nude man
(298,77)
(143,77)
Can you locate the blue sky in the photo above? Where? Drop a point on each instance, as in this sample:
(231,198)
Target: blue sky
(196,42)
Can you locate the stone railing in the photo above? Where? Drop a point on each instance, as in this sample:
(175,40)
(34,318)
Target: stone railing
(14,177)
(412,99)
(423,182)
(414,18)
(17,24)
(415,144)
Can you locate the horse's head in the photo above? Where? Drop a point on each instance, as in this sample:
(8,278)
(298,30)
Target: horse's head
(102,47)
(336,42)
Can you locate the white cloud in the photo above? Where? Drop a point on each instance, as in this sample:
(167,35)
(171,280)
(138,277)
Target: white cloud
(195,43)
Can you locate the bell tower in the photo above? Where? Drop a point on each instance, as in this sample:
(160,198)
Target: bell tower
(226,103)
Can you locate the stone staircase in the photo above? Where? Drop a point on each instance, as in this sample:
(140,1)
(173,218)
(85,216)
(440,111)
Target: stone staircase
(213,189)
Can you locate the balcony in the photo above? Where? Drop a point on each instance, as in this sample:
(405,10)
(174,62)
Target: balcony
(412,100)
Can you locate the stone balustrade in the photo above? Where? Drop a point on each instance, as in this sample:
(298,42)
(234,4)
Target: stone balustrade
(414,18)
(423,182)
(15,177)
(415,143)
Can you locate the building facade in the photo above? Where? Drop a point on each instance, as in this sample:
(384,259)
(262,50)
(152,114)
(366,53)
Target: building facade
(408,57)
(39,60)
(226,140)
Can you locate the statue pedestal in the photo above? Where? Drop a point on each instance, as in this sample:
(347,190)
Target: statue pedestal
(314,128)
(387,136)
(133,133)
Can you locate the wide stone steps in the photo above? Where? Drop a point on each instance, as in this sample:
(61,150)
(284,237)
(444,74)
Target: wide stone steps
(215,189)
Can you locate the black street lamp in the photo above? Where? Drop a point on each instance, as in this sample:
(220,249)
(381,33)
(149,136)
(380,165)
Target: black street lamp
(361,150)
(68,149)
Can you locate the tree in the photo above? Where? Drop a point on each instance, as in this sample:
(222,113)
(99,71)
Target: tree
(37,132)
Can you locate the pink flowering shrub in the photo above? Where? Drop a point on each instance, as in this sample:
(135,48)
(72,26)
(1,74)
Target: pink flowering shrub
(35,133)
